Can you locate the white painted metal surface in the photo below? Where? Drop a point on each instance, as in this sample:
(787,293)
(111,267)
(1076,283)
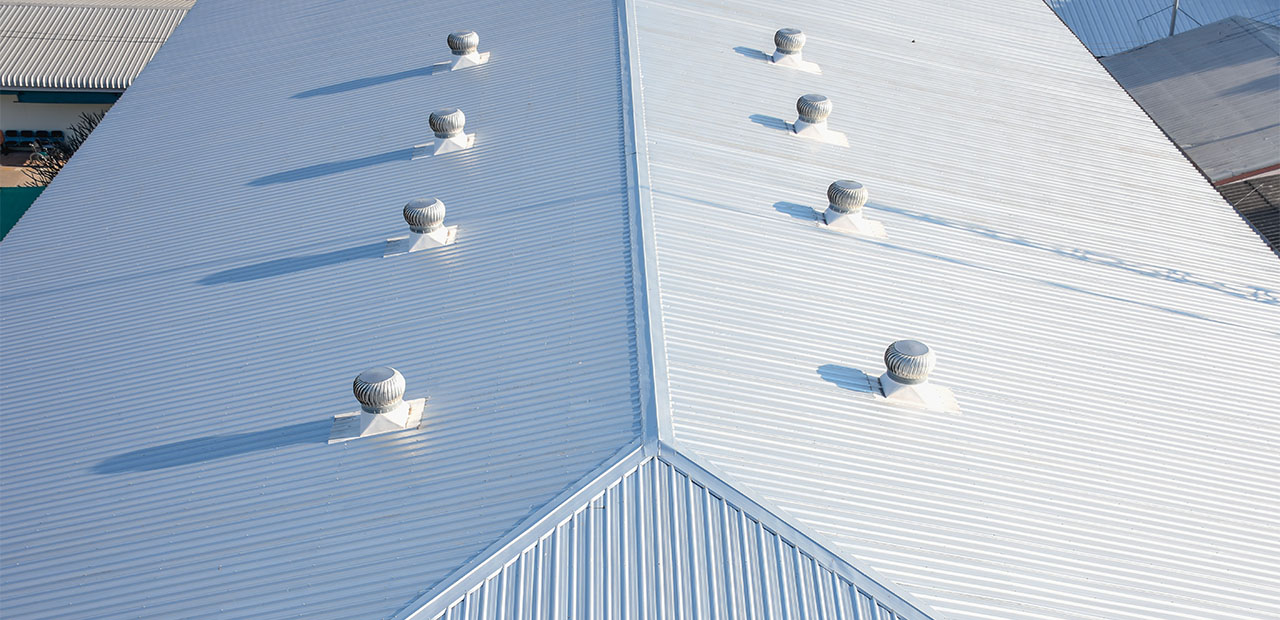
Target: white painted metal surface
(1110,333)
(1215,91)
(1108,326)
(206,330)
(82,45)
(1109,27)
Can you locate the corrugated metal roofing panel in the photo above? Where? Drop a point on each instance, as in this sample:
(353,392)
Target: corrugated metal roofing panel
(193,295)
(1258,201)
(1215,91)
(80,46)
(204,308)
(151,4)
(1108,325)
(1112,26)
(660,543)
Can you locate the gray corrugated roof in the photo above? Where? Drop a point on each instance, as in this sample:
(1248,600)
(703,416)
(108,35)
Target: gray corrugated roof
(85,45)
(227,283)
(1112,26)
(1214,90)
(201,312)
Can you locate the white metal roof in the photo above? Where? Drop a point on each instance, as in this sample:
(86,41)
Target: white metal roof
(1110,329)
(1112,26)
(1215,91)
(227,283)
(638,282)
(82,45)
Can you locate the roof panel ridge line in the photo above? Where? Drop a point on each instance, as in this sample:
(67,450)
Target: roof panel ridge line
(471,575)
(793,531)
(651,355)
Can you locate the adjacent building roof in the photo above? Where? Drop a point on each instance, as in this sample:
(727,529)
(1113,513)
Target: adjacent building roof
(1215,91)
(650,371)
(1258,201)
(82,44)
(1109,27)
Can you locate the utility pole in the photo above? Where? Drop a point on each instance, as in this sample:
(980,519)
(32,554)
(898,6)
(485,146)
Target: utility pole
(1173,21)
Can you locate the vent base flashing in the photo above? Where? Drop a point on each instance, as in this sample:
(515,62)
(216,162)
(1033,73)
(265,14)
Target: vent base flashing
(920,395)
(794,61)
(466,61)
(443,146)
(820,132)
(852,224)
(414,242)
(356,424)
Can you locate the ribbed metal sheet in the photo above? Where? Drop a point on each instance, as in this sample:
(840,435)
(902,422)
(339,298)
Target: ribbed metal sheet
(81,45)
(658,543)
(1108,325)
(191,320)
(1258,201)
(149,4)
(1215,91)
(191,298)
(1109,27)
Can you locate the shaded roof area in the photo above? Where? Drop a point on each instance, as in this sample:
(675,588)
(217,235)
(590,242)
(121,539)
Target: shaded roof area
(1257,200)
(206,330)
(1215,91)
(82,45)
(1109,27)
(1108,325)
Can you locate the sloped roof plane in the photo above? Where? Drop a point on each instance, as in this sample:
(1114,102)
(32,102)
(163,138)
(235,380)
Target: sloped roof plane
(642,347)
(233,284)
(1086,475)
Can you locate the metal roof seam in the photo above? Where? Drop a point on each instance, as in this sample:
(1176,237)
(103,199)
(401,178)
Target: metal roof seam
(657,435)
(656,410)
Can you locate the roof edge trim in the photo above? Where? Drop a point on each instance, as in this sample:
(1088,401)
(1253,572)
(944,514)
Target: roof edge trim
(789,528)
(474,572)
(1247,175)
(651,354)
